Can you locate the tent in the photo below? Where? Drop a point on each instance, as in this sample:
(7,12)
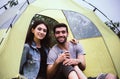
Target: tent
(102,46)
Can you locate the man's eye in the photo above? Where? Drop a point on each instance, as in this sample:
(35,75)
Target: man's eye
(63,32)
(57,32)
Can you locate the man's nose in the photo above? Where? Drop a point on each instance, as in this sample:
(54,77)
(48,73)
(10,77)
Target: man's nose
(60,33)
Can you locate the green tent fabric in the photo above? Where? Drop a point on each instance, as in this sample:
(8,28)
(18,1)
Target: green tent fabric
(101,45)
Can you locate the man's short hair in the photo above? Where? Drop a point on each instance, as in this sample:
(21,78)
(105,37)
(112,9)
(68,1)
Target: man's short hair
(60,25)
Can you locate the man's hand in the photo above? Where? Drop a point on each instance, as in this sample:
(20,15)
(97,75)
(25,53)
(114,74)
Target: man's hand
(62,57)
(71,62)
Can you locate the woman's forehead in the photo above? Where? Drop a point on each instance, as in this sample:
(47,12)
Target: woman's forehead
(41,26)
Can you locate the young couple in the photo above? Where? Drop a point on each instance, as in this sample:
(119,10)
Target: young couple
(65,60)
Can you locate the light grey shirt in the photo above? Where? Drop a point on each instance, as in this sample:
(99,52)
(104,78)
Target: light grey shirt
(74,50)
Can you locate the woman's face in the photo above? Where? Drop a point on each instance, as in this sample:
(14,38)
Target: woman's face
(39,32)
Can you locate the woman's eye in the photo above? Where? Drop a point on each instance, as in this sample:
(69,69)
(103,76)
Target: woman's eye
(39,29)
(44,30)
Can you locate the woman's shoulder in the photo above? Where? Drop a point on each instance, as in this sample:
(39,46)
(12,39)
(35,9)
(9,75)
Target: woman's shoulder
(26,46)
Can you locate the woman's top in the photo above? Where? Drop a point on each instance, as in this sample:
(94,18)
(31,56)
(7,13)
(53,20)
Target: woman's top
(31,61)
(43,65)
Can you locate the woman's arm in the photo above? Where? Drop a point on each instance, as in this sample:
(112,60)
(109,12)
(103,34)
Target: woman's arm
(23,57)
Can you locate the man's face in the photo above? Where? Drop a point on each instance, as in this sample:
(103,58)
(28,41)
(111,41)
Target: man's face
(61,35)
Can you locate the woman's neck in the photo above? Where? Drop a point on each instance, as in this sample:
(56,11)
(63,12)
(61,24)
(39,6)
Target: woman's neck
(38,43)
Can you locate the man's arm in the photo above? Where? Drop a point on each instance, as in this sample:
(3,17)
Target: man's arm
(52,68)
(81,62)
(80,56)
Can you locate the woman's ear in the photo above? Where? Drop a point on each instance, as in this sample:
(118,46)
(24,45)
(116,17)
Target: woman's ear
(32,30)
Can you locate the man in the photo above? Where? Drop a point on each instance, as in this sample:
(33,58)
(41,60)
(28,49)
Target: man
(65,58)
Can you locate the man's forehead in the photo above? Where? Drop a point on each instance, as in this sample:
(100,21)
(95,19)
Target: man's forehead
(61,28)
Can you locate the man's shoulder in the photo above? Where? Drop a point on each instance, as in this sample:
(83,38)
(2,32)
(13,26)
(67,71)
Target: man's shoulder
(54,47)
(75,44)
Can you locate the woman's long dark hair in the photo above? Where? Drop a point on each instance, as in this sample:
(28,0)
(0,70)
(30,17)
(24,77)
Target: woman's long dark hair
(29,38)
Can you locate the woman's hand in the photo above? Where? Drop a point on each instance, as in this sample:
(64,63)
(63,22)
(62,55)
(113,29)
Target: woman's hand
(74,41)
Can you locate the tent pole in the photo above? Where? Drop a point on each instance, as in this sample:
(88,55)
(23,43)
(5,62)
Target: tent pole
(95,8)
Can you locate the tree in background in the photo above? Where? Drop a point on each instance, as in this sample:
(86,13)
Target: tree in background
(13,3)
(114,26)
(10,4)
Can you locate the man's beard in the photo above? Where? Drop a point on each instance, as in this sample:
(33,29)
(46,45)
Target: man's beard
(65,39)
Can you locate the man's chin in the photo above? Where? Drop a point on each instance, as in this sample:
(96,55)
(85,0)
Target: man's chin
(61,42)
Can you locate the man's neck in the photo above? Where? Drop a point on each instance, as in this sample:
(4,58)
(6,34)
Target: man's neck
(64,46)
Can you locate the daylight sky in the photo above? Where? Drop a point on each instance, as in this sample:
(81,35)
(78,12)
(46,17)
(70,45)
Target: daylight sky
(111,8)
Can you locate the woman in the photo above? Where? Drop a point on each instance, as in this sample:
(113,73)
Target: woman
(33,63)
